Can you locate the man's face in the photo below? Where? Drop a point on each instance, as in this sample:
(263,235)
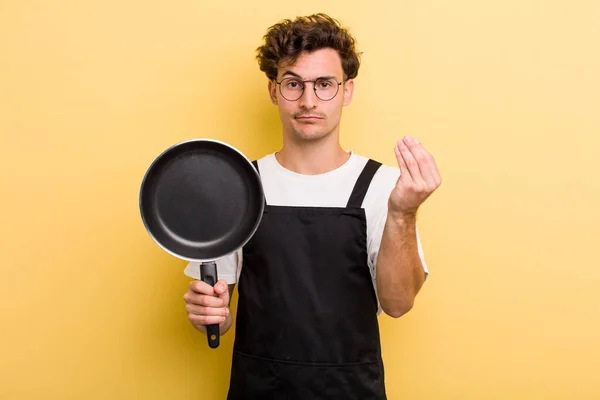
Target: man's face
(311,118)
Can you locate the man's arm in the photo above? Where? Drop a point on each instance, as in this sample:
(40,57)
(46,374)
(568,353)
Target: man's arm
(399,272)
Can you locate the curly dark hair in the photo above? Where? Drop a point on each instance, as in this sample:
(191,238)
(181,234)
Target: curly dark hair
(286,40)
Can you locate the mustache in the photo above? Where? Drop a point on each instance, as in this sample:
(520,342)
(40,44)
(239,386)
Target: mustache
(305,115)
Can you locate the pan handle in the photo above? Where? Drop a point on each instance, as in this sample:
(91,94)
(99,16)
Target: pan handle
(208,274)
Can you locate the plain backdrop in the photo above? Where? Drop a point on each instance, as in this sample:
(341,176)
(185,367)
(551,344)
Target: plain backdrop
(504,94)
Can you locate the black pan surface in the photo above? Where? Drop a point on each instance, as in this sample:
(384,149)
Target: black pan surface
(201,200)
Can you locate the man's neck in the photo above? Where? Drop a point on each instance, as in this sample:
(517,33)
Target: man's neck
(312,157)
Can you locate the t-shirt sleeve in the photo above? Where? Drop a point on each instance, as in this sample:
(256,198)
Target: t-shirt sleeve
(227,268)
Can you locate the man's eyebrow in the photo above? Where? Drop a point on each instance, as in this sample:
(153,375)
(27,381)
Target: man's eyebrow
(295,75)
(291,73)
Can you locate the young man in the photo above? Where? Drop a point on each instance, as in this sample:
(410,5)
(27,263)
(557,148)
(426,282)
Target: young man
(338,241)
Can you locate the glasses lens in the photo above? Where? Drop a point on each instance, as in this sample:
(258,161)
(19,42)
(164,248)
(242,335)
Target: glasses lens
(326,89)
(291,88)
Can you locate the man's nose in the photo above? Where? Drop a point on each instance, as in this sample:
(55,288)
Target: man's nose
(309,98)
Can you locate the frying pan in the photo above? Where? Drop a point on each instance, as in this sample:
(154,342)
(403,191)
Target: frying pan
(201,200)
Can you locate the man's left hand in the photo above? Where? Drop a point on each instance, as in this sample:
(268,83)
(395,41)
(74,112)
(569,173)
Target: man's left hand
(419,178)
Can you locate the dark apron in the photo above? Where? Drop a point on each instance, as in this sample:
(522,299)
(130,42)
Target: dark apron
(306,324)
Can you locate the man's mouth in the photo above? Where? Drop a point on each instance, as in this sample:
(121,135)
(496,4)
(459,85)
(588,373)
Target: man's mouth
(308,118)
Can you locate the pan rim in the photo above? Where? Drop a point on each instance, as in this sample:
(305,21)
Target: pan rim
(165,153)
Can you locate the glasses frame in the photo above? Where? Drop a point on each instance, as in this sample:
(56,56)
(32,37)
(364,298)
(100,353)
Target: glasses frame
(314,82)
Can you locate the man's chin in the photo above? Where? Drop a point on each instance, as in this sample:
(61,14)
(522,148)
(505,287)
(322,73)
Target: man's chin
(308,135)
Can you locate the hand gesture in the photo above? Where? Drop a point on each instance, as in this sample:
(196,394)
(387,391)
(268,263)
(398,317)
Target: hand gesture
(419,178)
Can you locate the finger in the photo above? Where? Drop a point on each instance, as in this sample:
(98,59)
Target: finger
(205,319)
(435,173)
(427,165)
(221,287)
(411,163)
(423,159)
(222,290)
(204,300)
(404,175)
(202,288)
(201,310)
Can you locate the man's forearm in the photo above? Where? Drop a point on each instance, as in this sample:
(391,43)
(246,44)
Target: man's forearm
(400,272)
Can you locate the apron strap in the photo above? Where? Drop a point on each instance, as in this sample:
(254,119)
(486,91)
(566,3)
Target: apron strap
(362,184)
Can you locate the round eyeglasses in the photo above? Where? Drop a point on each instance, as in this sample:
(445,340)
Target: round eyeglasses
(293,88)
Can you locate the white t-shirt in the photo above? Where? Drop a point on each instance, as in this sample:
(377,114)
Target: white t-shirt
(283,187)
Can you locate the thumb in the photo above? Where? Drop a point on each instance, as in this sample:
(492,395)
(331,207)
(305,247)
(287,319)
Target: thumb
(222,290)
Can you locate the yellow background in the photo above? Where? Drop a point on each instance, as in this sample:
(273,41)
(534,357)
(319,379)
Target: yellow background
(505,94)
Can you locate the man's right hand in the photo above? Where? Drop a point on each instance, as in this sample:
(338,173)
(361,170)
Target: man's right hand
(207,305)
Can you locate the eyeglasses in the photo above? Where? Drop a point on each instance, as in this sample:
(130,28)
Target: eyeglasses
(293,88)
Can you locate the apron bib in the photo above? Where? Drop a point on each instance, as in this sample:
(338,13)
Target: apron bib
(306,324)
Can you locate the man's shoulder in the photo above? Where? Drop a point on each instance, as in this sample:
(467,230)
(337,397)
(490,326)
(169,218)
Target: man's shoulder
(381,185)
(267,160)
(385,174)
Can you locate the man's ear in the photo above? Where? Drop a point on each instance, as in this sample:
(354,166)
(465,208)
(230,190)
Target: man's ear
(348,91)
(273,91)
